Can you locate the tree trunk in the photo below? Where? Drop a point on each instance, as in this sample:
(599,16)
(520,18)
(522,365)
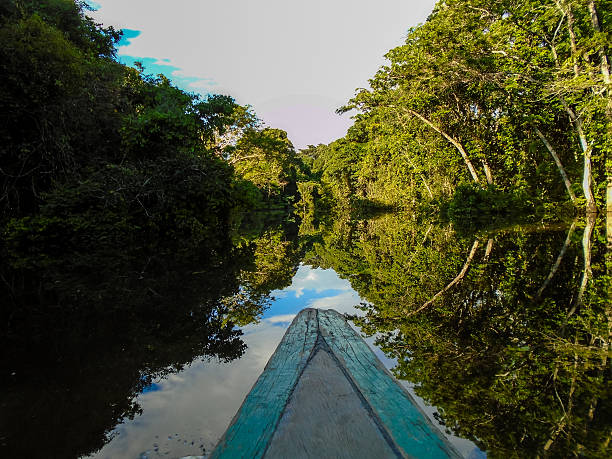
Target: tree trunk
(487,171)
(553,153)
(587,174)
(605,73)
(455,143)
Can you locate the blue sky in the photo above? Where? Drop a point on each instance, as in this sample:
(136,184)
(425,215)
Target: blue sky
(293,61)
(311,288)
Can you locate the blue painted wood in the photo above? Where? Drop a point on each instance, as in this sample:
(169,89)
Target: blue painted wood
(253,426)
(407,425)
(406,428)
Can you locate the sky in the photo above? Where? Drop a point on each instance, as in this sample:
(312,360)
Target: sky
(294,61)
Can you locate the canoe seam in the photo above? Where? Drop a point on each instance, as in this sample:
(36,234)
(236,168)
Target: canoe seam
(313,351)
(219,450)
(364,402)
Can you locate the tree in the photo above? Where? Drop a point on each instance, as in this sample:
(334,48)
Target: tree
(266,158)
(514,91)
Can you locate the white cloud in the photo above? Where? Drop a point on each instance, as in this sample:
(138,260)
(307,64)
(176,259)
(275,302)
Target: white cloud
(343,303)
(319,280)
(295,62)
(281,319)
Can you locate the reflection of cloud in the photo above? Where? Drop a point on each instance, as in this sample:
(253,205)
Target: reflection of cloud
(344,303)
(151,388)
(284,318)
(194,407)
(317,279)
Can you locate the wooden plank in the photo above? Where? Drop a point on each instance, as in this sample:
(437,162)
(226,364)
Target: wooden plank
(253,426)
(325,418)
(403,420)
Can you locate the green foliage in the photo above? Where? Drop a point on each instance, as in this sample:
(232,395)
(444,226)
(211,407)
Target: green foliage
(161,119)
(246,195)
(267,159)
(463,99)
(69,17)
(55,107)
(475,206)
(309,195)
(179,198)
(488,326)
(96,152)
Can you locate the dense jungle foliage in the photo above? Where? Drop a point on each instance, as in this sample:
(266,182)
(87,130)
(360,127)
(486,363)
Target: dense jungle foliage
(489,108)
(93,150)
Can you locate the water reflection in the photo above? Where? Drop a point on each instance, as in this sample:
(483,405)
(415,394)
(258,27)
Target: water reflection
(506,332)
(501,331)
(191,410)
(87,329)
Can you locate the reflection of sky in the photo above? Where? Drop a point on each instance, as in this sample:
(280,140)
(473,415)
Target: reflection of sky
(189,411)
(313,288)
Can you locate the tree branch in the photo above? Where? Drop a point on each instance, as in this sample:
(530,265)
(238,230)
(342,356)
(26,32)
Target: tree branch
(455,142)
(553,153)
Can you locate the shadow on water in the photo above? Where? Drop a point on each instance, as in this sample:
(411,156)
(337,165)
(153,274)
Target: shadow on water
(85,329)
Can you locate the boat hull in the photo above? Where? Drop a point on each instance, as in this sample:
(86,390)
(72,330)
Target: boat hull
(325,394)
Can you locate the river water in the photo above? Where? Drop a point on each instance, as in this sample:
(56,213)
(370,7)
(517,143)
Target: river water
(499,335)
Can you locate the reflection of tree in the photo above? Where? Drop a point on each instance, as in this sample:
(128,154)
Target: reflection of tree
(505,360)
(89,326)
(557,263)
(455,281)
(275,261)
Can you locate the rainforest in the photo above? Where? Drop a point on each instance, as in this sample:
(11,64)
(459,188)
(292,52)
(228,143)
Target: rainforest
(465,220)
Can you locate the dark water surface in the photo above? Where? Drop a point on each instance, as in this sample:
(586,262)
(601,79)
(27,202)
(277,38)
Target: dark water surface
(502,335)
